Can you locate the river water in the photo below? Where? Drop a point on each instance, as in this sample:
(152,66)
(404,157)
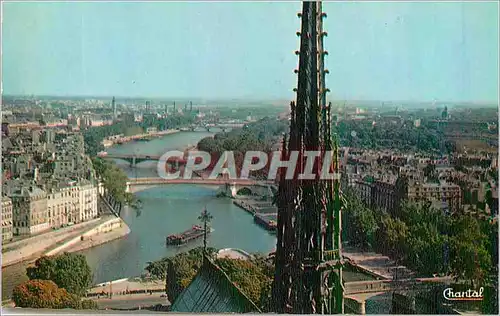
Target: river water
(166,210)
(171,209)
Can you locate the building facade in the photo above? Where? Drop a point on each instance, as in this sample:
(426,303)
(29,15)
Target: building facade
(445,192)
(87,194)
(60,206)
(30,214)
(6,219)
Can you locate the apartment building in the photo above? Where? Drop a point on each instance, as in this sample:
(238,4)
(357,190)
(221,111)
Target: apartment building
(445,192)
(61,204)
(6,219)
(87,194)
(30,214)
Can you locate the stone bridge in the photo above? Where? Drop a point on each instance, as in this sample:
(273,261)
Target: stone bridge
(358,292)
(228,187)
(133,160)
(210,127)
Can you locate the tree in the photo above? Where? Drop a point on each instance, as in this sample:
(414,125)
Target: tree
(158,269)
(69,271)
(249,277)
(182,268)
(88,304)
(430,171)
(471,260)
(114,180)
(46,294)
(359,224)
(391,236)
(43,294)
(426,249)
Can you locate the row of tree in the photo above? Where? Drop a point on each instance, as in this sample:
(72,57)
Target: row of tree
(425,239)
(169,122)
(399,136)
(114,180)
(56,282)
(258,136)
(94,136)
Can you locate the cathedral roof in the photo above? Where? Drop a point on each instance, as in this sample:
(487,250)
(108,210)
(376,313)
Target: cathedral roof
(211,291)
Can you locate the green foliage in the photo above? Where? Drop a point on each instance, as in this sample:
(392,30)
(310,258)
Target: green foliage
(359,224)
(253,277)
(469,248)
(88,304)
(94,136)
(181,269)
(46,294)
(43,294)
(425,249)
(158,269)
(429,170)
(257,136)
(425,239)
(246,275)
(388,135)
(114,179)
(392,236)
(170,122)
(69,271)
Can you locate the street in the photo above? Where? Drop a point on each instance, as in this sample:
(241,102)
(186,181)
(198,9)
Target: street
(131,301)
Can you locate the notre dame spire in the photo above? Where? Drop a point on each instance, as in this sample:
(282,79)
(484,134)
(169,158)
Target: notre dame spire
(308,258)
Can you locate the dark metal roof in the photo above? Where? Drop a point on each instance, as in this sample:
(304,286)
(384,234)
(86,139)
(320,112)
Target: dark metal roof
(211,291)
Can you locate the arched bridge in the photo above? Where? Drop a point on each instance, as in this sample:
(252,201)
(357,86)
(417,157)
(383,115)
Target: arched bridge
(376,286)
(358,292)
(207,127)
(135,159)
(231,187)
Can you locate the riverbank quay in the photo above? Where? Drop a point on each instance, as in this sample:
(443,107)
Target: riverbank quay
(377,265)
(264,213)
(243,204)
(111,229)
(122,140)
(32,247)
(94,232)
(126,287)
(137,302)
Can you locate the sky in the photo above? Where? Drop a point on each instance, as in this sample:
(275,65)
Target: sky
(409,51)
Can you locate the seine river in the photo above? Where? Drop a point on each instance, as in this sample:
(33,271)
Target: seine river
(166,210)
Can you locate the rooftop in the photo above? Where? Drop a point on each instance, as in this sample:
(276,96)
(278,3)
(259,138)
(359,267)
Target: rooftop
(211,291)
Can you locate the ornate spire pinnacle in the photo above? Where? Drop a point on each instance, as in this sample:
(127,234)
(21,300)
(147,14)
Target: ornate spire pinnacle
(308,212)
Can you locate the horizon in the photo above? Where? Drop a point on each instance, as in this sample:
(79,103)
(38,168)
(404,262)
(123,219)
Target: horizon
(402,52)
(229,99)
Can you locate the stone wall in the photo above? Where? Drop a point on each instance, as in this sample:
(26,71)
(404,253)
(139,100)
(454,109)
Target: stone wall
(105,227)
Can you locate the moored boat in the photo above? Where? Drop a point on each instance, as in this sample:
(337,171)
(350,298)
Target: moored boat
(194,232)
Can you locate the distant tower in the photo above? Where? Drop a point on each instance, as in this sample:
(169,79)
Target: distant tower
(174,106)
(190,106)
(444,114)
(166,108)
(113,105)
(148,106)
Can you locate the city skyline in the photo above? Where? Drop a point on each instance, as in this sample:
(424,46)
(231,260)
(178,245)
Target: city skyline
(108,49)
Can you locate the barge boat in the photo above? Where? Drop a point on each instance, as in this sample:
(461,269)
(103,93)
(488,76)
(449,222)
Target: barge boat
(193,233)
